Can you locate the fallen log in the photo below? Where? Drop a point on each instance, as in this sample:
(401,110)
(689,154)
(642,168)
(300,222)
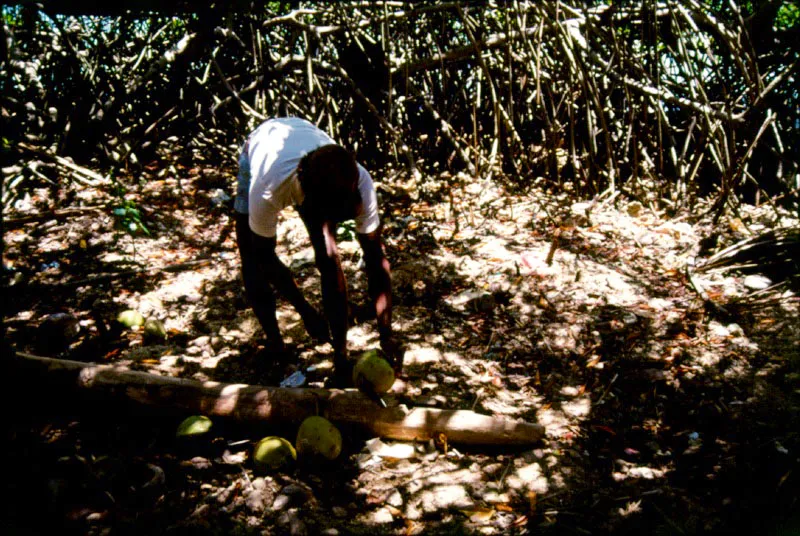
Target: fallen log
(274,405)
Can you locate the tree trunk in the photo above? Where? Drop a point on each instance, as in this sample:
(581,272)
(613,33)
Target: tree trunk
(272,404)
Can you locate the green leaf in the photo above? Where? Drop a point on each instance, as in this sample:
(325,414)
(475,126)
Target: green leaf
(788,16)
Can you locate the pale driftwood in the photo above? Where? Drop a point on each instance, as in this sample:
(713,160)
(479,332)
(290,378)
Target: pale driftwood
(275,404)
(80,174)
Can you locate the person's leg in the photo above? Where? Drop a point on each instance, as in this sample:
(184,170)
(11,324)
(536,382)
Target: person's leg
(259,294)
(334,291)
(283,281)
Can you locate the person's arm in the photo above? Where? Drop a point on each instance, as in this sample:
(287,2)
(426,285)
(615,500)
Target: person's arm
(334,288)
(379,280)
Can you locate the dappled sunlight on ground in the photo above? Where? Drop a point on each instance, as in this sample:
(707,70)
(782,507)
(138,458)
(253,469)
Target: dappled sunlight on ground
(588,328)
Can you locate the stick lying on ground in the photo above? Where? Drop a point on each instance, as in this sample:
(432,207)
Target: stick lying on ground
(275,404)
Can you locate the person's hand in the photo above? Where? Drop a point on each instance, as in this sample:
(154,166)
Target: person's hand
(394,352)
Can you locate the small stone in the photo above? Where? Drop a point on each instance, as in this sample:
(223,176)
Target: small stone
(634,209)
(439,400)
(338,511)
(715,329)
(395,499)
(444,497)
(492,469)
(281,502)
(381,516)
(735,330)
(292,494)
(581,213)
(569,390)
(494,497)
(414,511)
(216,343)
(94,517)
(757,282)
(473,300)
(257,498)
(296,526)
(198,462)
(201,341)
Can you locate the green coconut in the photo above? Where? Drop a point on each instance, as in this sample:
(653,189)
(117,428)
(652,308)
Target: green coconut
(154,329)
(194,426)
(372,372)
(130,318)
(317,436)
(272,453)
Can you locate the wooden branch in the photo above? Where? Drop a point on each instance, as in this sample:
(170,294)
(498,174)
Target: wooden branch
(82,175)
(249,110)
(449,133)
(400,145)
(272,404)
(663,94)
(181,46)
(458,54)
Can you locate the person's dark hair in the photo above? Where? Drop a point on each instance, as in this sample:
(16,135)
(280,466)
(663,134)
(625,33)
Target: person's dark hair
(329,178)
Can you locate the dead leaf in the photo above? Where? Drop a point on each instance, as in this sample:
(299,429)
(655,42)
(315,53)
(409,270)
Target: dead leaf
(396,512)
(374,498)
(479,515)
(112,354)
(521,520)
(440,441)
(593,362)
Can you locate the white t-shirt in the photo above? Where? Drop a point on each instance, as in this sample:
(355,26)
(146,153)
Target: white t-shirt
(272,153)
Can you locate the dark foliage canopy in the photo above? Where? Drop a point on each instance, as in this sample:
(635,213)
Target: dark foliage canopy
(664,100)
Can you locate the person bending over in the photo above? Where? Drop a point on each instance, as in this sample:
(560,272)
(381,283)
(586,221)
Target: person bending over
(289,161)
